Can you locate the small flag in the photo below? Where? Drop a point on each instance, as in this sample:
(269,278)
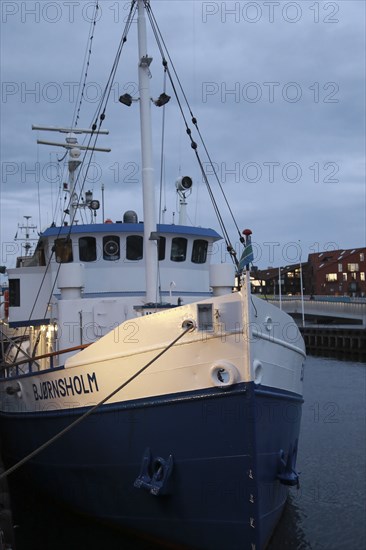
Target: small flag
(247,257)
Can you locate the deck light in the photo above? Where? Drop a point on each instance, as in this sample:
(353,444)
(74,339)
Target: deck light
(184,183)
(126,99)
(162,100)
(88,197)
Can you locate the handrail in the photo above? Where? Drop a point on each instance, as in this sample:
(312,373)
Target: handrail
(44,356)
(12,340)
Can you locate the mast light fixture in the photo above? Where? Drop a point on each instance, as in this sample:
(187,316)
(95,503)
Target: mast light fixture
(162,100)
(126,99)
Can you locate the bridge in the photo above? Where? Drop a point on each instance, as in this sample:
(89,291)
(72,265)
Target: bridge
(337,311)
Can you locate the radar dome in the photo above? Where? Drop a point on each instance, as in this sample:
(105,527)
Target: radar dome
(130,216)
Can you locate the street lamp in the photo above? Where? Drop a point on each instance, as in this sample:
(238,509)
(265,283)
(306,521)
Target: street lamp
(302,291)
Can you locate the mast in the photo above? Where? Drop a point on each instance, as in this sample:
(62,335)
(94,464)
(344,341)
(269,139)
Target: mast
(147,170)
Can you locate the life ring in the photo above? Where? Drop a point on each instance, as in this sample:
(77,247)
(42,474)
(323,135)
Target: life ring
(224,374)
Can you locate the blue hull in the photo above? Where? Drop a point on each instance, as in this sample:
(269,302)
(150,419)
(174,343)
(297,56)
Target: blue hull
(221,490)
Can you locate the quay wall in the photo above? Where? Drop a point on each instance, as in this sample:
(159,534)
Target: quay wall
(342,342)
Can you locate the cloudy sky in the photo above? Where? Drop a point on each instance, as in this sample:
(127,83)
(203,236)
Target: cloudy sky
(278,89)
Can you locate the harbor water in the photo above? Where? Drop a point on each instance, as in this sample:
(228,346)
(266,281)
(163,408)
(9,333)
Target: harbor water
(328,511)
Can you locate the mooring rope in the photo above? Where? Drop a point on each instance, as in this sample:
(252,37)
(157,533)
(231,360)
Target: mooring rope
(189,326)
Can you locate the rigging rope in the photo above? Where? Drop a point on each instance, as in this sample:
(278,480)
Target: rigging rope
(163,49)
(162,153)
(85,68)
(108,88)
(162,175)
(39,193)
(94,135)
(195,123)
(100,116)
(60,434)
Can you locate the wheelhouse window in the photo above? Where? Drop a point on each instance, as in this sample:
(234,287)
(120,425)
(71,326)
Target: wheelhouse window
(179,249)
(199,251)
(63,250)
(39,257)
(161,248)
(87,249)
(111,248)
(14,292)
(134,247)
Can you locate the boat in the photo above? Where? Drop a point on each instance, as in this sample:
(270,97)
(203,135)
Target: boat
(13,339)
(152,390)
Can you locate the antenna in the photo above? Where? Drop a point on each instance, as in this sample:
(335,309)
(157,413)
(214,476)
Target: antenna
(74,149)
(26,237)
(69,130)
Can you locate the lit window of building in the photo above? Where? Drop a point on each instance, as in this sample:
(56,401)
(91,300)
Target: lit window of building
(345,277)
(330,277)
(340,268)
(353,267)
(362,276)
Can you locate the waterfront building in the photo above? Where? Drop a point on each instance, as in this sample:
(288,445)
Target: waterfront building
(330,273)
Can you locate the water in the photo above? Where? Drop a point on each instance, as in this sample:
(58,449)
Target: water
(329,510)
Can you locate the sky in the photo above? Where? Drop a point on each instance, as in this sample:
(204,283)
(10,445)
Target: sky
(278,89)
